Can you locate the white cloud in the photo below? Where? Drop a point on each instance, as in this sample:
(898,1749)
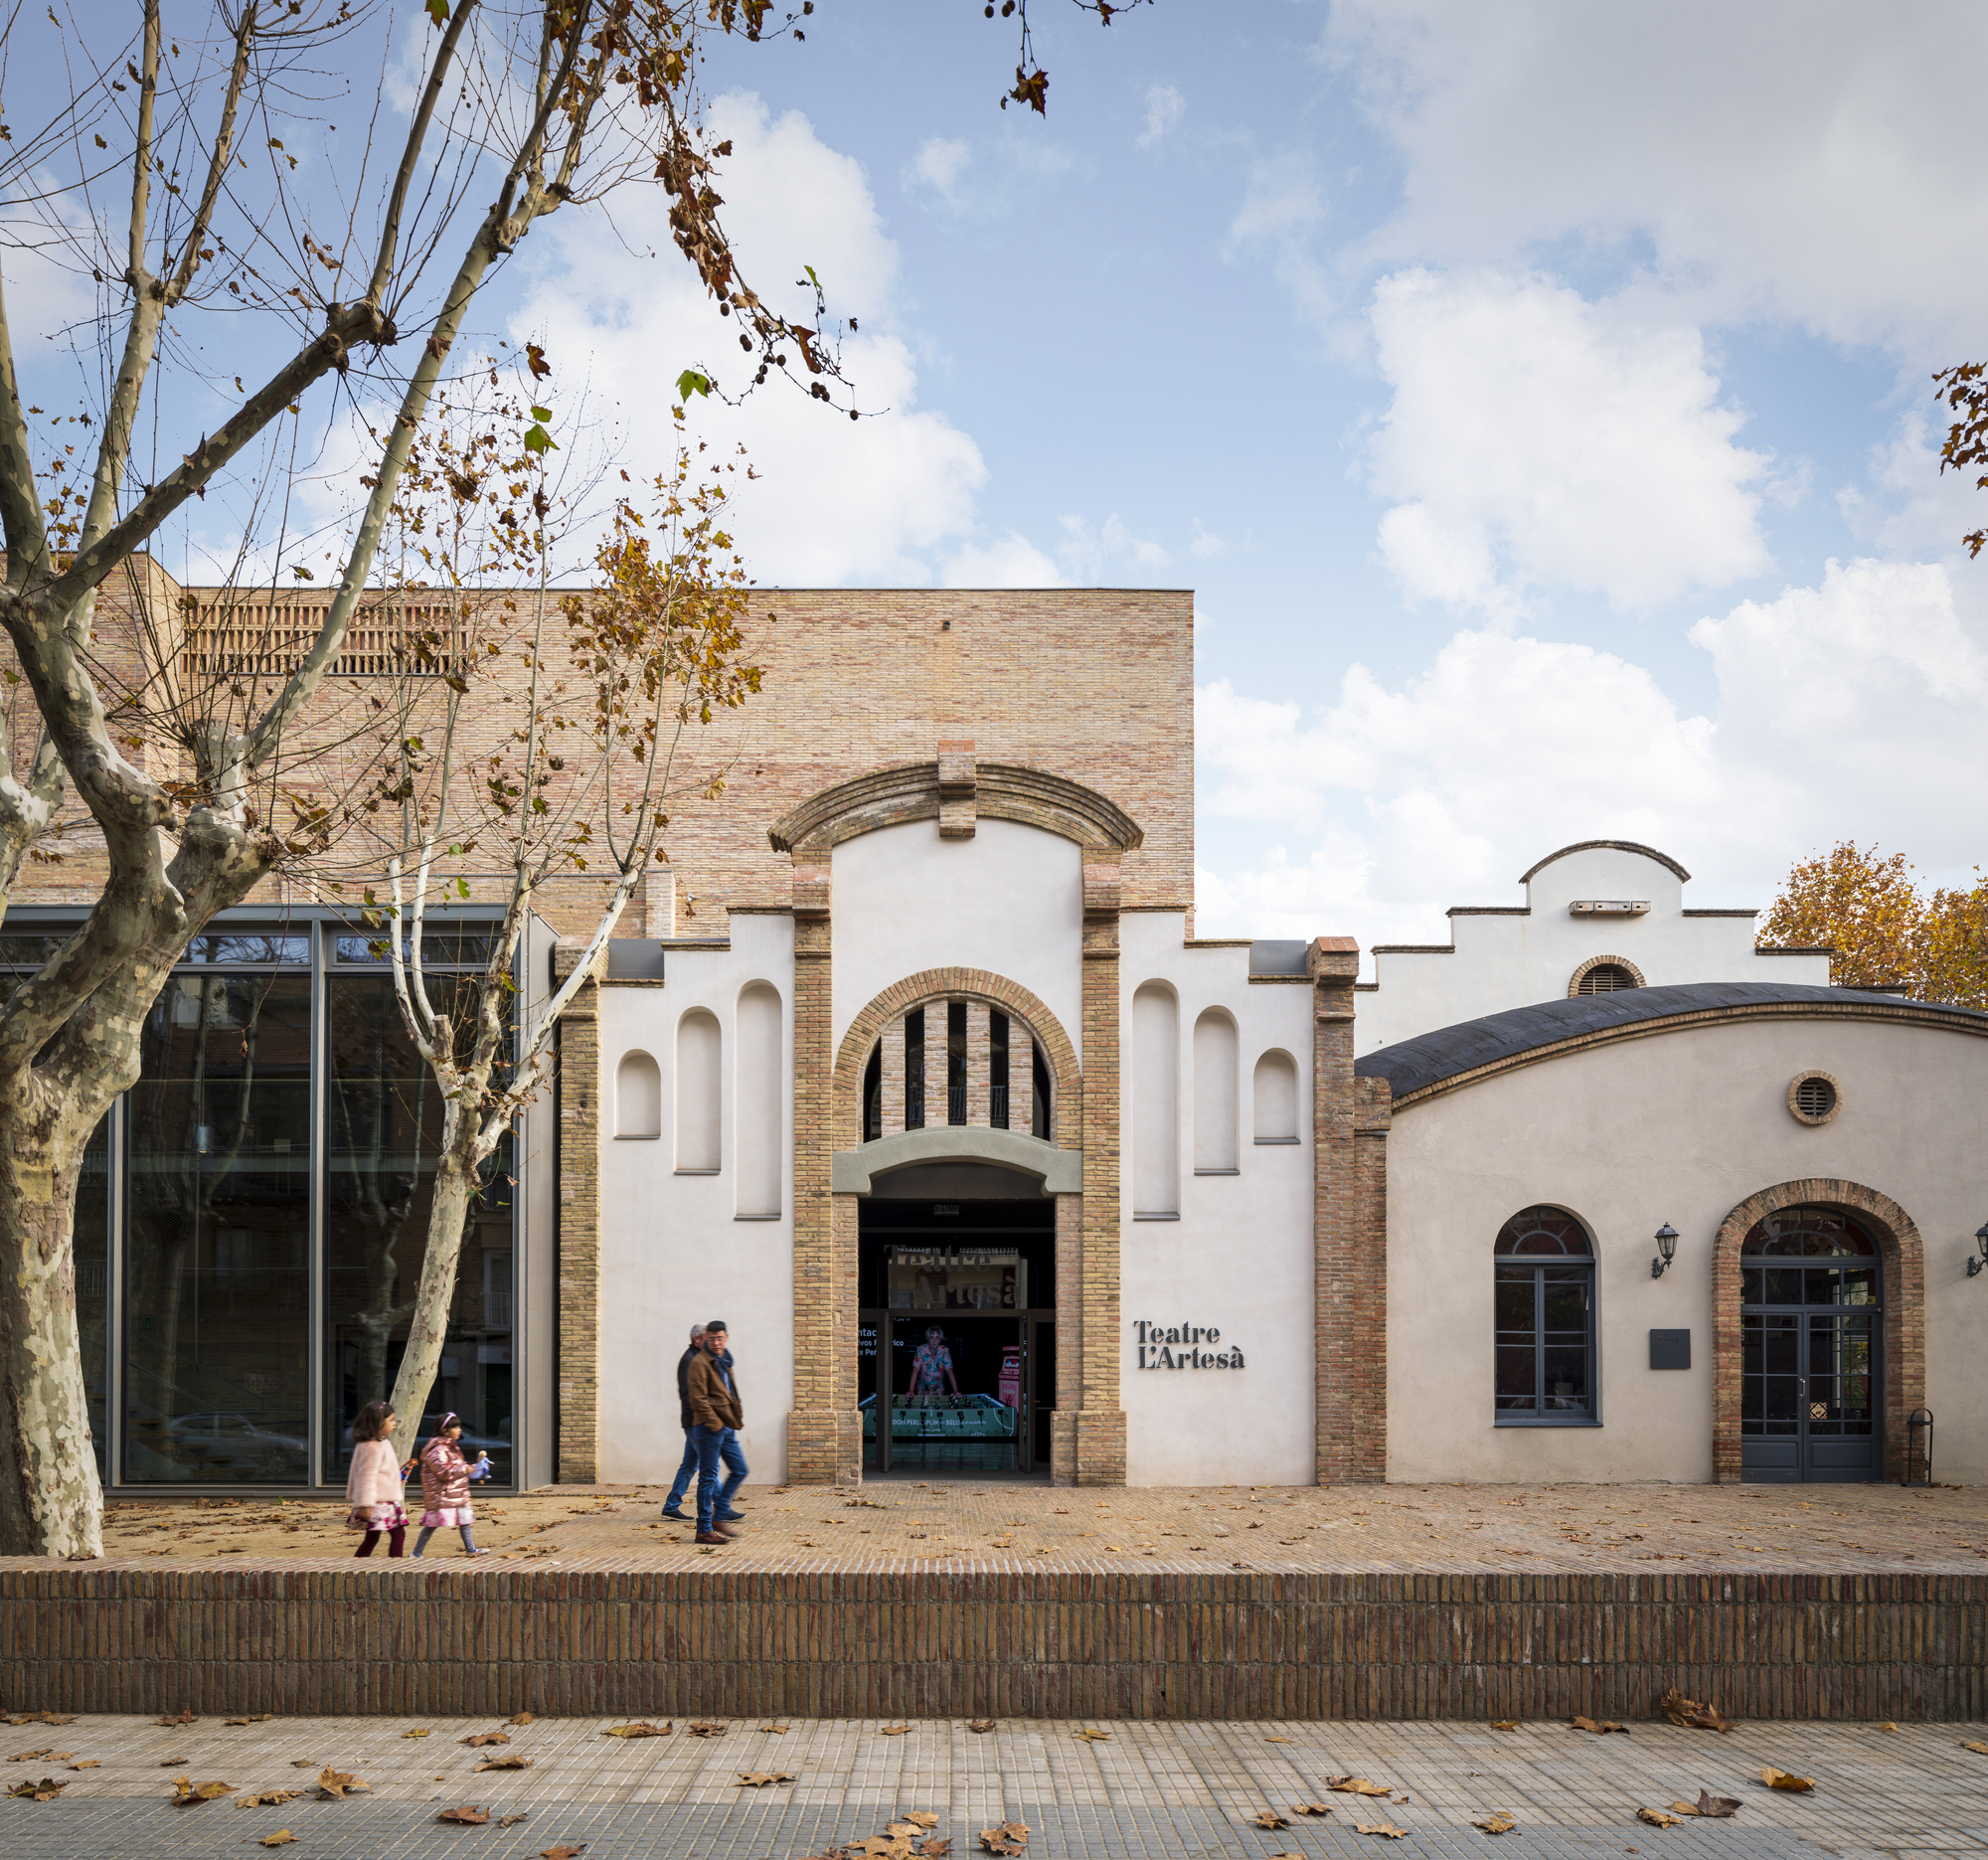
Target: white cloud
(1013,562)
(1910,505)
(1845,711)
(1089,554)
(1804,159)
(1537,439)
(1204,545)
(839,501)
(938,165)
(1164,108)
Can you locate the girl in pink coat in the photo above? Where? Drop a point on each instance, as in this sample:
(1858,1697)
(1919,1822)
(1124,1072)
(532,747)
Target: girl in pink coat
(445,1476)
(374,1488)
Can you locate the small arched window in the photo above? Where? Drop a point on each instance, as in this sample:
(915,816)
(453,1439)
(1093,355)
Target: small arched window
(1543,1314)
(638,1096)
(1277,1097)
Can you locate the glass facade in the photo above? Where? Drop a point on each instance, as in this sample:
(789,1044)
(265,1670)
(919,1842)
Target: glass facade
(253,1216)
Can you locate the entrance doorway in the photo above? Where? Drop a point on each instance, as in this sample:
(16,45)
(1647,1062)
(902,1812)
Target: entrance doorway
(1812,1301)
(955,1327)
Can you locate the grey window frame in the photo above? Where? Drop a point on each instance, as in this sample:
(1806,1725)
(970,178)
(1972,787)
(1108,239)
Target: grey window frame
(1590,1265)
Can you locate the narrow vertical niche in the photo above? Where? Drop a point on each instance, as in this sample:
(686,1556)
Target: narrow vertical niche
(1043,1118)
(760,1076)
(1155,1103)
(955,1062)
(873,1095)
(914,1069)
(1276,1096)
(997,1068)
(638,1096)
(1215,1094)
(700,1095)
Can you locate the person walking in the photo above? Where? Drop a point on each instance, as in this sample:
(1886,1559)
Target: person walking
(686,1470)
(375,1485)
(445,1477)
(712,1389)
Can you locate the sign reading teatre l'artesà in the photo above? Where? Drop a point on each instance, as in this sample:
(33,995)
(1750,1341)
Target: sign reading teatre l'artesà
(1183,1346)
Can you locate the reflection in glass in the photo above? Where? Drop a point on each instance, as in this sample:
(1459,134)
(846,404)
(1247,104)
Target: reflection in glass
(1542,1304)
(219,1208)
(382,1145)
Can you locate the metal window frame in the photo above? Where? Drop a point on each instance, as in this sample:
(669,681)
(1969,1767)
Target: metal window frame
(1537,1265)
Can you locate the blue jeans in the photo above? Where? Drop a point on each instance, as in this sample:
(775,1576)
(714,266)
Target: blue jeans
(685,1473)
(714,1444)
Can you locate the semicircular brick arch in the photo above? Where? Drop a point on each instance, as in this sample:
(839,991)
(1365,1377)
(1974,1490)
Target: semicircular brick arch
(1898,1244)
(971,984)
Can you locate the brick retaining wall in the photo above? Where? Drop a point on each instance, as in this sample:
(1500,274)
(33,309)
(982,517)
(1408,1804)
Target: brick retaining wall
(1047,1643)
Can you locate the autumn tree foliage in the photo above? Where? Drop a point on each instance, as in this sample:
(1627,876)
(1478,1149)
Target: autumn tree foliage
(1881,928)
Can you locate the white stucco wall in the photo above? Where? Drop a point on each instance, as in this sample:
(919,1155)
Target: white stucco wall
(1009,900)
(1682,1127)
(1512,961)
(673,1248)
(1239,1258)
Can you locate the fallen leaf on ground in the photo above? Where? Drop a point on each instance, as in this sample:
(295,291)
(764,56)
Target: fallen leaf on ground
(980,1724)
(1276,1740)
(1496,1825)
(1099,1736)
(303,1763)
(1691,1714)
(1270,1819)
(702,1730)
(268,1799)
(561,1853)
(167,1719)
(893,1730)
(919,1818)
(185,1791)
(1387,1829)
(505,1762)
(281,1838)
(45,1790)
(88,1762)
(333,1784)
(468,1815)
(1310,1808)
(42,1756)
(1781,1780)
(642,1727)
(1708,1804)
(1600,1727)
(761,1778)
(1356,1786)
(510,1821)
(253,1718)
(517,1718)
(1657,1818)
(487,1737)
(1504,1724)
(1887,1726)
(778,1731)
(1005,1837)
(173,1762)
(416,1733)
(43,1718)
(1980,1749)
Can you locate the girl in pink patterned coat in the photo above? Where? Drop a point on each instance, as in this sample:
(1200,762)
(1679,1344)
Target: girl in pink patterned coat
(445,1488)
(373,1488)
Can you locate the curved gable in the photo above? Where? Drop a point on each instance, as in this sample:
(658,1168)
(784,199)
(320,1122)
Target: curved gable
(888,797)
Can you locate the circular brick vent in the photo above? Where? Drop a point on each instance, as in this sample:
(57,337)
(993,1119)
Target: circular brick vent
(1813,1098)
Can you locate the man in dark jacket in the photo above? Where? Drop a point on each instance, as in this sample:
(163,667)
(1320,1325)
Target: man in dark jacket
(686,1470)
(712,1389)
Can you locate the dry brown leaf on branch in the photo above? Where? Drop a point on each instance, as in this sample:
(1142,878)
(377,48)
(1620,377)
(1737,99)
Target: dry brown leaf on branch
(1094,1737)
(45,1790)
(761,1778)
(1708,1804)
(281,1838)
(1657,1818)
(642,1727)
(1270,1819)
(1496,1823)
(1600,1727)
(268,1799)
(1783,1780)
(468,1815)
(1980,1749)
(705,1729)
(88,1762)
(334,1785)
(517,1718)
(253,1718)
(417,1734)
(510,1821)
(893,1730)
(185,1791)
(1691,1714)
(487,1737)
(1005,1837)
(980,1724)
(505,1762)
(1386,1829)
(1310,1808)
(1356,1786)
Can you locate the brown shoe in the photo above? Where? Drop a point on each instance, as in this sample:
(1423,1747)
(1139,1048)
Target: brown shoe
(712,1537)
(727,1531)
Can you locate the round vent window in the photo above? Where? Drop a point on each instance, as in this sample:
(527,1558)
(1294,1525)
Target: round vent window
(1813,1098)
(1604,978)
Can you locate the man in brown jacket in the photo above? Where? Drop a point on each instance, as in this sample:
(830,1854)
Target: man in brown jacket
(717,1415)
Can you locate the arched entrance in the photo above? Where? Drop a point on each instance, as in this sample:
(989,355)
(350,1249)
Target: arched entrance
(1811,1304)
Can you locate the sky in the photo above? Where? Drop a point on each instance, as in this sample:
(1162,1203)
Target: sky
(1535,398)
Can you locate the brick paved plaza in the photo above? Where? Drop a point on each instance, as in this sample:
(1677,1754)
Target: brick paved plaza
(1173,1792)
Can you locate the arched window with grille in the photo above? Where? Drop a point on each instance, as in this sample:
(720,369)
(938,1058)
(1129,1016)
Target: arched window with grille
(1543,1303)
(1604,974)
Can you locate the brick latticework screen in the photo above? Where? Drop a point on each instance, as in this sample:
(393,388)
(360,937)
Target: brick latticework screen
(1903,1289)
(579,1259)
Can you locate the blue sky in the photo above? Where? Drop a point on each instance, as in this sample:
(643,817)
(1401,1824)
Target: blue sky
(1535,398)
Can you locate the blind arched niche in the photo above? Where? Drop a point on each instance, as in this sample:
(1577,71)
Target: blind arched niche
(638,1096)
(700,1102)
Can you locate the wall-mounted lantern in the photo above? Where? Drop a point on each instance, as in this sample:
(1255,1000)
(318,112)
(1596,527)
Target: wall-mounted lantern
(1980,1259)
(1667,1246)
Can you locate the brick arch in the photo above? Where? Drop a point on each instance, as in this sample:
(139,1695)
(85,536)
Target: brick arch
(1903,1257)
(972,984)
(1603,961)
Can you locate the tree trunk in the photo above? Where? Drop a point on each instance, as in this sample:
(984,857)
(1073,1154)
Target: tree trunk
(50,1501)
(457,1186)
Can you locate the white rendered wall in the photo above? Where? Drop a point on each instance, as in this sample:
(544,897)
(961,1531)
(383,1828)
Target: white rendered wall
(1010,900)
(674,1249)
(1506,961)
(1239,1258)
(1677,1128)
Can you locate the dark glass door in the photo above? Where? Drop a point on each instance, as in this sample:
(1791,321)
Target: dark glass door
(1809,1373)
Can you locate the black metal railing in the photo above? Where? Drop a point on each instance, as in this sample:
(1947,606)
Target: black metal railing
(914,1103)
(955,1104)
(997,1107)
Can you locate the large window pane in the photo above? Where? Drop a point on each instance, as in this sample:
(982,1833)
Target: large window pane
(381,1143)
(218,1259)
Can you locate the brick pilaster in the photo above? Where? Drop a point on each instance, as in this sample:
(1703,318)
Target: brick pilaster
(577,1447)
(936,1050)
(1101,1420)
(893,1071)
(979,1064)
(1021,1078)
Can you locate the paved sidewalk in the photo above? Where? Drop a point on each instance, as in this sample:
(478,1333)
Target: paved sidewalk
(1171,1791)
(947,1525)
